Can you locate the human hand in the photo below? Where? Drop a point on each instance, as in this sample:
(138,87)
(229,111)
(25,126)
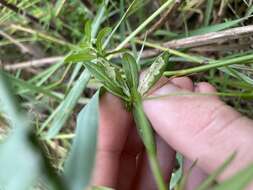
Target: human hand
(201,127)
(189,124)
(121,160)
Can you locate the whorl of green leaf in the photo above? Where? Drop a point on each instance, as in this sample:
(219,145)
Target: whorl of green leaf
(102,73)
(130,68)
(154,73)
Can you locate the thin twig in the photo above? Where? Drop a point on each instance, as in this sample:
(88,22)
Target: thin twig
(41,35)
(33,63)
(206,39)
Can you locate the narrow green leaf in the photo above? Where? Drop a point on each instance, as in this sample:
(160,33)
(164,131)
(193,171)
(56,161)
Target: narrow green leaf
(79,165)
(213,64)
(99,18)
(17,157)
(239,75)
(154,73)
(214,28)
(208,182)
(237,182)
(25,86)
(249,11)
(146,22)
(208,12)
(145,129)
(120,23)
(74,74)
(64,110)
(123,50)
(20,155)
(59,6)
(147,135)
(84,55)
(87,31)
(131,70)
(17,161)
(100,72)
(101,37)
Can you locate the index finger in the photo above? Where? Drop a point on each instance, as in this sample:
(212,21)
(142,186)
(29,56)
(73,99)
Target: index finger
(114,125)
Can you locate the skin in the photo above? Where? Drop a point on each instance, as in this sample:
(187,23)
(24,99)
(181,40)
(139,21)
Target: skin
(201,128)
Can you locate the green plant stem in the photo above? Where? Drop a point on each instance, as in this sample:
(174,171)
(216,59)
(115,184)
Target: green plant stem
(155,167)
(211,65)
(118,25)
(172,51)
(208,12)
(145,23)
(42,35)
(147,135)
(222,94)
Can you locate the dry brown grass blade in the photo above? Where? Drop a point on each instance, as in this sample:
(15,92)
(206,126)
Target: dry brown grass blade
(33,63)
(21,46)
(205,39)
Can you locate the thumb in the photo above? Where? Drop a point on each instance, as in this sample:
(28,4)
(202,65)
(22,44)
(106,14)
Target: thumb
(201,127)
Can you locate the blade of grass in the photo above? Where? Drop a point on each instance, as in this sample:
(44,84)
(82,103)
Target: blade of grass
(79,165)
(63,111)
(208,12)
(147,135)
(44,36)
(27,86)
(211,65)
(119,24)
(208,182)
(58,7)
(122,25)
(145,23)
(214,28)
(237,182)
(98,19)
(190,58)
(19,157)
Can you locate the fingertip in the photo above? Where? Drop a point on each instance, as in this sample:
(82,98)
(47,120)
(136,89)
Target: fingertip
(183,82)
(165,89)
(114,125)
(204,87)
(108,98)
